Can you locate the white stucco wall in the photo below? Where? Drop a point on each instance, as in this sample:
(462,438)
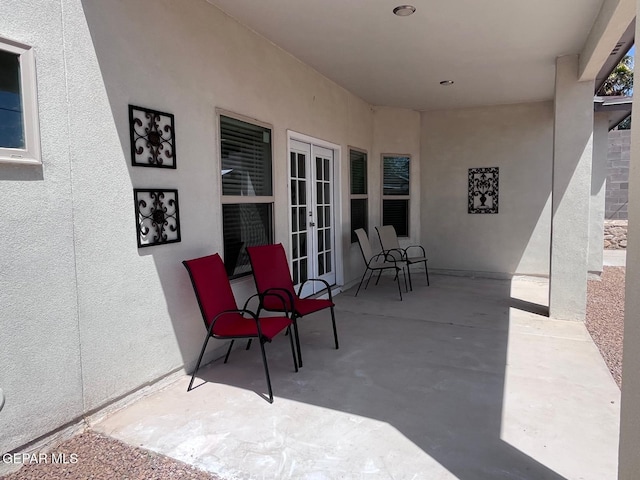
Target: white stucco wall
(39,348)
(519,140)
(131,317)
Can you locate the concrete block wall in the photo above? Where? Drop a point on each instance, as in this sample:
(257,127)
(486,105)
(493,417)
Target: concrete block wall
(617,195)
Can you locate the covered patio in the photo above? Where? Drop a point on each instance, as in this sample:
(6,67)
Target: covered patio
(466,379)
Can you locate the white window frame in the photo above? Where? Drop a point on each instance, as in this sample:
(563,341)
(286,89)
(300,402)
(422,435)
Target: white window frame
(238,199)
(396,197)
(29,93)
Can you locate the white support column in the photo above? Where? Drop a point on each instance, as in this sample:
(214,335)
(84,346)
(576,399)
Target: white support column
(598,190)
(571,189)
(629,458)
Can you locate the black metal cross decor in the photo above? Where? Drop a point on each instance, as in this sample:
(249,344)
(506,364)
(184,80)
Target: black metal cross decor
(157,220)
(483,190)
(152,138)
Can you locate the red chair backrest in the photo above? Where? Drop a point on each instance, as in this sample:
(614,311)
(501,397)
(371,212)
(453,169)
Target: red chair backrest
(270,267)
(211,285)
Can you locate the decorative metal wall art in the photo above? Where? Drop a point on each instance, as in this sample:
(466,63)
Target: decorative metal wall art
(157,220)
(152,138)
(483,190)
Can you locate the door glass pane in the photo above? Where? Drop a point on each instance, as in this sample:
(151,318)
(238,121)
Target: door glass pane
(318,168)
(327,238)
(294,219)
(11,109)
(303,244)
(293,165)
(302,219)
(319,192)
(294,245)
(296,276)
(294,196)
(320,240)
(303,270)
(326,169)
(320,217)
(301,166)
(395,176)
(327,192)
(327,216)
(328,262)
(321,263)
(302,192)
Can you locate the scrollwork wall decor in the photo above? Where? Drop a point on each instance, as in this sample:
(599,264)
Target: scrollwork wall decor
(152,138)
(157,218)
(483,190)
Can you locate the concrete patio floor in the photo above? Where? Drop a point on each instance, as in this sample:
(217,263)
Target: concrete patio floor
(462,380)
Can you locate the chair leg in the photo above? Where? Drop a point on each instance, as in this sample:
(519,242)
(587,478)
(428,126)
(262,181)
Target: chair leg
(204,347)
(409,274)
(335,332)
(295,332)
(266,370)
(398,280)
(226,357)
(379,275)
(293,350)
(362,280)
(426,270)
(249,344)
(366,285)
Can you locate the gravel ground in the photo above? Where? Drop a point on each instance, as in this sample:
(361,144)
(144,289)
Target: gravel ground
(605,316)
(103,458)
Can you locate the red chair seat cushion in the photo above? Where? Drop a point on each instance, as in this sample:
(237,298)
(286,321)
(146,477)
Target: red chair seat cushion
(235,325)
(304,306)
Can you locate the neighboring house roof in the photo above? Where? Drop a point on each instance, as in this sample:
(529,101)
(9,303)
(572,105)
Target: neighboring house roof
(618,108)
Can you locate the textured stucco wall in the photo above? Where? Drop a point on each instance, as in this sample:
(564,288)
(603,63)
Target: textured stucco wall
(39,350)
(516,138)
(131,316)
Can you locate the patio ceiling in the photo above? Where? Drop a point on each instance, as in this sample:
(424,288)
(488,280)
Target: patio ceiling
(496,52)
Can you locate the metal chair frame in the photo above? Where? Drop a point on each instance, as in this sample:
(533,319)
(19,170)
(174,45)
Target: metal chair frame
(373,263)
(391,245)
(243,311)
(295,314)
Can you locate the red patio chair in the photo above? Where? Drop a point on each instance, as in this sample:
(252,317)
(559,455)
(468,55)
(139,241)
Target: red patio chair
(271,274)
(223,319)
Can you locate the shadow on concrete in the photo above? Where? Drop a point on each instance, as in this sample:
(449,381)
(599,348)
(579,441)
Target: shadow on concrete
(432,366)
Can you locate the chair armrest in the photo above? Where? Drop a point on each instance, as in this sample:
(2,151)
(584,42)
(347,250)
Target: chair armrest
(392,252)
(424,254)
(389,259)
(326,286)
(274,291)
(235,311)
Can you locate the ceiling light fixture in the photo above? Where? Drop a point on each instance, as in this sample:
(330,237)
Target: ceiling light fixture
(404,10)
(447,82)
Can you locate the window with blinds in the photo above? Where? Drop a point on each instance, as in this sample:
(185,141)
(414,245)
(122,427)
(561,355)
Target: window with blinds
(247,191)
(395,192)
(19,130)
(359,197)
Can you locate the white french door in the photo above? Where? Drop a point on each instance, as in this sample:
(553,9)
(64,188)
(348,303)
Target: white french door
(311,184)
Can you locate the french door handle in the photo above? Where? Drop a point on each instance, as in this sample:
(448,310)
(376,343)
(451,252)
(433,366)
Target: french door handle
(312,224)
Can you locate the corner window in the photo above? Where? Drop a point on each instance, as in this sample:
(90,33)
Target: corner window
(395,192)
(359,197)
(19,133)
(247,191)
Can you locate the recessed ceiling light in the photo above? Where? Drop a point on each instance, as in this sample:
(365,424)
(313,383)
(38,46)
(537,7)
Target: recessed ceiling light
(404,10)
(446,82)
